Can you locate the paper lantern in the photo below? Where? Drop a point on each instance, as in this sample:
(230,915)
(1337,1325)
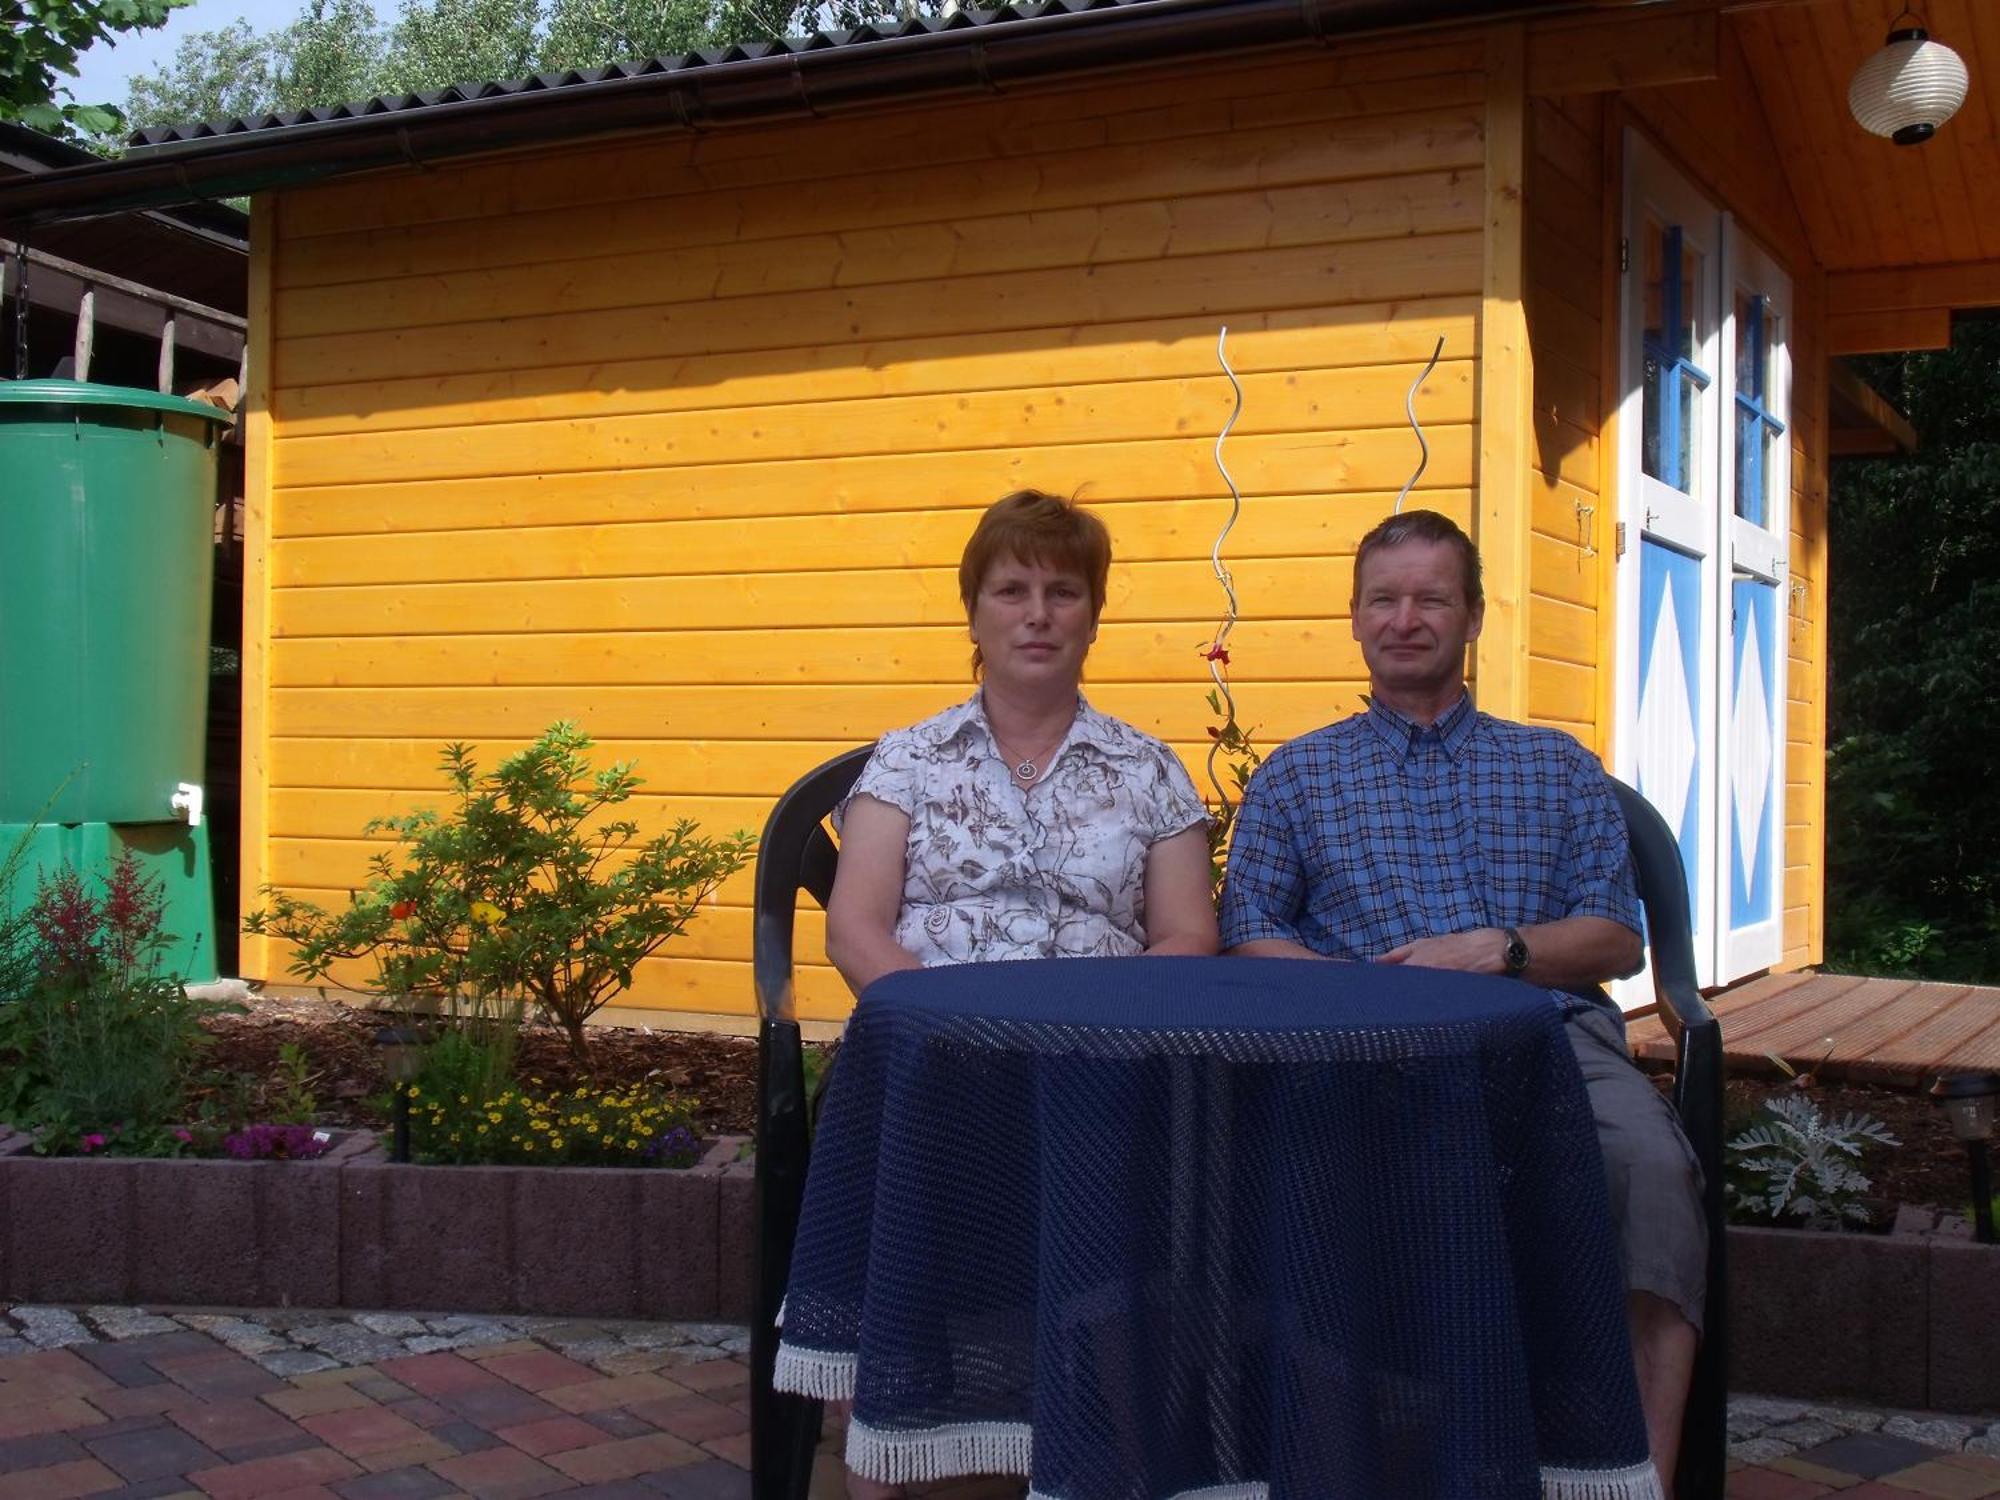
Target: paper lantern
(1909,88)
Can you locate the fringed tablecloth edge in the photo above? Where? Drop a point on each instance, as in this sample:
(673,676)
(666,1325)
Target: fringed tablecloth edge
(821,1374)
(1639,1482)
(940,1452)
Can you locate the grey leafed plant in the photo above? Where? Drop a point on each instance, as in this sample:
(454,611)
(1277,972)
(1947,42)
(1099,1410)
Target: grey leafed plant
(1798,1167)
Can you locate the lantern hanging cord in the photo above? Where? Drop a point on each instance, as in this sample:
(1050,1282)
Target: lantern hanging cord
(1410,406)
(1217,650)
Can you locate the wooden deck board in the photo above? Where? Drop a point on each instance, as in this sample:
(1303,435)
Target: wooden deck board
(1894,1031)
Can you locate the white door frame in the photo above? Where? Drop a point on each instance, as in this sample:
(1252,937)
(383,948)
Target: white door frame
(1686,549)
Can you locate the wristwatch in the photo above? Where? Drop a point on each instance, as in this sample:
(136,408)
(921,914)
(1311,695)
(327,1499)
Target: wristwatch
(1515,959)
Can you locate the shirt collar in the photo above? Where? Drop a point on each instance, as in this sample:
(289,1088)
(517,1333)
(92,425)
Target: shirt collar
(1454,727)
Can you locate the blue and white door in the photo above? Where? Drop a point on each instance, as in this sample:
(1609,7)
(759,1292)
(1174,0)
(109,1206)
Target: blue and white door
(1704,481)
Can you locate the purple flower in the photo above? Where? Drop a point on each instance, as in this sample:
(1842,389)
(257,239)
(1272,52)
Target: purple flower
(676,1148)
(274,1143)
(93,1142)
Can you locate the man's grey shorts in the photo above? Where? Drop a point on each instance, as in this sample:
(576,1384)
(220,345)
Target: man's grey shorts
(1654,1180)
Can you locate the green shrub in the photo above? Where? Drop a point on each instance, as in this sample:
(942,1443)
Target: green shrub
(522,892)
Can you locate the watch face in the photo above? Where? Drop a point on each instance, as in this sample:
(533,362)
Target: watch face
(1517,953)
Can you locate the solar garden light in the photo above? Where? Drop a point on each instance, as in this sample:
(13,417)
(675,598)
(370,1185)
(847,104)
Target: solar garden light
(402,1059)
(1968,1101)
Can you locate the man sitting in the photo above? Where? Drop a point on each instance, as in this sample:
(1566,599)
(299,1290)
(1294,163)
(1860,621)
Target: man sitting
(1422,831)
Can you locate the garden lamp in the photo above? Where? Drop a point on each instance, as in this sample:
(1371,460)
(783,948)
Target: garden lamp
(402,1059)
(1968,1101)
(1909,88)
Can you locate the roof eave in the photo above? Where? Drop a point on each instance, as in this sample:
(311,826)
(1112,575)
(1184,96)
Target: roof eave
(967,59)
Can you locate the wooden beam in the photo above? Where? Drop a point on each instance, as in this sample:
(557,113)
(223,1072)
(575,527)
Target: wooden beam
(1860,442)
(1607,53)
(1878,417)
(1905,288)
(257,957)
(60,285)
(1506,387)
(1888,332)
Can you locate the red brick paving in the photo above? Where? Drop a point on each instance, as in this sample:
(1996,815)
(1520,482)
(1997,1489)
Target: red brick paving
(503,1423)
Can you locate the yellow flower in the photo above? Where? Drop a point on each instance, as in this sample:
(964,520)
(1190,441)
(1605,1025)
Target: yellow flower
(528,1145)
(493,1115)
(555,1143)
(463,1100)
(485,913)
(482,1130)
(631,1145)
(415,1092)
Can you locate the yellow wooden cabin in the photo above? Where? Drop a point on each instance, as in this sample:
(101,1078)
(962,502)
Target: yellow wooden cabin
(664,401)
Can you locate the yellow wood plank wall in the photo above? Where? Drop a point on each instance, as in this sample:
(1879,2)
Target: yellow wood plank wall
(682,439)
(1718,135)
(1566,300)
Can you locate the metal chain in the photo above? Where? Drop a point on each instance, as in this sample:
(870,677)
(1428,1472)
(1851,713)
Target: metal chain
(20,310)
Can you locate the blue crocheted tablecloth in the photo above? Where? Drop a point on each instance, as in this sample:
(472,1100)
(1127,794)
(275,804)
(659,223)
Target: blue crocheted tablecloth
(1144,1228)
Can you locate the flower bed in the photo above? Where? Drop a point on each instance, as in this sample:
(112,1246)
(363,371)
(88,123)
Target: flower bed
(351,1229)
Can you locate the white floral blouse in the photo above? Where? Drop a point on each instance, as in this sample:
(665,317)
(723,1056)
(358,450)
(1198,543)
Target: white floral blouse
(1053,870)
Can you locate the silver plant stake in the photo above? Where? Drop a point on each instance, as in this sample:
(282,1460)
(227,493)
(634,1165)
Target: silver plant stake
(1410,406)
(1217,650)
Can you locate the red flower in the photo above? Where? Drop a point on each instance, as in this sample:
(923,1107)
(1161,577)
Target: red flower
(403,910)
(1217,653)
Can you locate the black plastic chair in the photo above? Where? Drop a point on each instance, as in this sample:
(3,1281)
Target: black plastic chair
(1697,1096)
(796,854)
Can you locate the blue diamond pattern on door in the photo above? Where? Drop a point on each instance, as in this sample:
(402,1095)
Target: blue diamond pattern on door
(1753,791)
(1669,750)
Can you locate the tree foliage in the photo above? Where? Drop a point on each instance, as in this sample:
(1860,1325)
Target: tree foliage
(1913,801)
(338,51)
(39,44)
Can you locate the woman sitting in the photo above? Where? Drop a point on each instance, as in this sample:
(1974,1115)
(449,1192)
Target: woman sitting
(1021,823)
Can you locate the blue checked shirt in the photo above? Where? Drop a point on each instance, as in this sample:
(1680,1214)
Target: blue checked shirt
(1376,831)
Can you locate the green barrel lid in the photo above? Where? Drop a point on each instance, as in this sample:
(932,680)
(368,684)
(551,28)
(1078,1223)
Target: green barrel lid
(87,393)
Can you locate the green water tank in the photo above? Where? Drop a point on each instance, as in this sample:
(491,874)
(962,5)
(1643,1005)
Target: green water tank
(107,500)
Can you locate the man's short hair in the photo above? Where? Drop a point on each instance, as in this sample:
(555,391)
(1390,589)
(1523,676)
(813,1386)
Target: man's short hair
(1033,526)
(1424,526)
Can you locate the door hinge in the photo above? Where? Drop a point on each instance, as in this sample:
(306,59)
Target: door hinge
(1619,541)
(1624,255)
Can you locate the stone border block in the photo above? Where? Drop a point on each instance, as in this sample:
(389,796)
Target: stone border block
(1964,1326)
(236,1233)
(1830,1315)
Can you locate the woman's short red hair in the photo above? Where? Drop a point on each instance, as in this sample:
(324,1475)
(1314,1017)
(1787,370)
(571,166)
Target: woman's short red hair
(1033,526)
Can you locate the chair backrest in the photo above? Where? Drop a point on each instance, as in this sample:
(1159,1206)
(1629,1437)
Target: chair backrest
(1656,858)
(795,855)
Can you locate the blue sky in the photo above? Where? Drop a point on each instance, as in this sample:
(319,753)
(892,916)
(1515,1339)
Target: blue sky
(105,69)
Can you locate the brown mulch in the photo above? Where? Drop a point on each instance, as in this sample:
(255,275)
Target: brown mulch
(345,1074)
(720,1072)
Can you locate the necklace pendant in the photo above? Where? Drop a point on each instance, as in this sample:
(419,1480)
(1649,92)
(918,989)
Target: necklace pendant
(1026,770)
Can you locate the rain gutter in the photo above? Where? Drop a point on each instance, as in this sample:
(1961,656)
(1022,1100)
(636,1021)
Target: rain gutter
(973,58)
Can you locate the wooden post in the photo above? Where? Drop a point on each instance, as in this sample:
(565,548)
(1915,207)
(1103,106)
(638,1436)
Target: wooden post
(256,956)
(1506,385)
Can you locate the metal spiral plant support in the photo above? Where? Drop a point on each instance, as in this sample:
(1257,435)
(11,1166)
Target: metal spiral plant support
(1217,650)
(1410,406)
